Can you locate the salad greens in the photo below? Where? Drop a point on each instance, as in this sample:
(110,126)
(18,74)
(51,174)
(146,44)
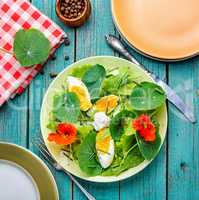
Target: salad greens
(119,122)
(128,135)
(149,150)
(93,79)
(87,156)
(147,96)
(66,107)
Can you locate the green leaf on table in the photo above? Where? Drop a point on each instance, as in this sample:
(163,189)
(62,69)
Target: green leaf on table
(119,122)
(93,79)
(147,96)
(66,107)
(149,149)
(87,156)
(31,47)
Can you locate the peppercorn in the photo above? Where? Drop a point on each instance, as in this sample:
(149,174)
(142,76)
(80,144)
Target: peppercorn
(53,57)
(72,9)
(66,41)
(66,58)
(53,74)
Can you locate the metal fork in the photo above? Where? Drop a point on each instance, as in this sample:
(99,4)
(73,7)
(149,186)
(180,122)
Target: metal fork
(48,157)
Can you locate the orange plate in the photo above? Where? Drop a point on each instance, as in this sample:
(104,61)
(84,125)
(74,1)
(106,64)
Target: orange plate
(162,29)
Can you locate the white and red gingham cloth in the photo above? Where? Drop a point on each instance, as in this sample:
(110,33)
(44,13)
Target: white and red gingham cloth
(14,15)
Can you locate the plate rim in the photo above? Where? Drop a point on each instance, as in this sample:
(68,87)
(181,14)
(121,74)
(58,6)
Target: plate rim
(41,162)
(162,59)
(145,163)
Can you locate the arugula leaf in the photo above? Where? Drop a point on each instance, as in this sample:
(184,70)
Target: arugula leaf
(116,82)
(133,159)
(147,96)
(118,123)
(52,125)
(84,130)
(87,156)
(127,141)
(93,79)
(66,107)
(149,149)
(126,89)
(80,70)
(31,47)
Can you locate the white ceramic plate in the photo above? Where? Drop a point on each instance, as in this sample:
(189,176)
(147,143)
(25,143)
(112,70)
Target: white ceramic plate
(24,176)
(56,85)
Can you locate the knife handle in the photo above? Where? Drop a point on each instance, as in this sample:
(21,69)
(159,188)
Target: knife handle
(117,45)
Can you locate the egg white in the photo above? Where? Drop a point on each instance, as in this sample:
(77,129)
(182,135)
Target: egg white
(105,159)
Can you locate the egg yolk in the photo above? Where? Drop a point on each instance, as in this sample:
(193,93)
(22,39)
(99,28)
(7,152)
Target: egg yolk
(103,144)
(85,103)
(107,103)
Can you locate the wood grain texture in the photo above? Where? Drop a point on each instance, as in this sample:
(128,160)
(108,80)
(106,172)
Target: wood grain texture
(22,125)
(40,85)
(13,120)
(90,42)
(150,184)
(183,159)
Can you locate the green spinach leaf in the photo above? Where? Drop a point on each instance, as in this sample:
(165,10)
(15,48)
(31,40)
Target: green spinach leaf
(87,156)
(147,96)
(149,149)
(119,122)
(66,107)
(93,79)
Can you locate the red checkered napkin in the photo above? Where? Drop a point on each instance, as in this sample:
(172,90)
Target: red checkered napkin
(14,15)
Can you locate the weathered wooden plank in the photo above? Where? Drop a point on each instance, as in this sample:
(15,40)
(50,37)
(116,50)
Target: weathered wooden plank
(13,120)
(149,184)
(183,159)
(91,42)
(39,86)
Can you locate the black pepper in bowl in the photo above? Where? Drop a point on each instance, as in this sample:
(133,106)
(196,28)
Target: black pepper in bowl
(72,9)
(73,12)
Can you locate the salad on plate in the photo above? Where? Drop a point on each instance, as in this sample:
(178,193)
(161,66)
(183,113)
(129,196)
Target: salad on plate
(105,119)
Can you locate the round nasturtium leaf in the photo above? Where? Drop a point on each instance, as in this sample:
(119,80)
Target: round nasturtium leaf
(147,96)
(118,123)
(31,47)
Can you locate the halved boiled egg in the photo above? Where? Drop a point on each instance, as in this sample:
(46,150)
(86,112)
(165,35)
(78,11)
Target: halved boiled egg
(78,87)
(107,103)
(105,148)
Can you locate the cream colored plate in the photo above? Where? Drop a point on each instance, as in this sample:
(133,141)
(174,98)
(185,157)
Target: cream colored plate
(56,85)
(161,29)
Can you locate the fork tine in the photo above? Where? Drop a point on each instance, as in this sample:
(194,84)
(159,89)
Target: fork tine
(44,148)
(44,153)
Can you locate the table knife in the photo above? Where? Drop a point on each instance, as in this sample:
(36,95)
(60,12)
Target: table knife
(117,45)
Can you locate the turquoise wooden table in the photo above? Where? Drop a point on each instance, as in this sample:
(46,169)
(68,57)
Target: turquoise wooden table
(173,175)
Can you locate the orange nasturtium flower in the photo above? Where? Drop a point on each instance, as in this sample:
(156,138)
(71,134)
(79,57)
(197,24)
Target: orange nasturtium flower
(145,128)
(65,134)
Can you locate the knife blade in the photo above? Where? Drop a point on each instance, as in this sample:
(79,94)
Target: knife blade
(117,45)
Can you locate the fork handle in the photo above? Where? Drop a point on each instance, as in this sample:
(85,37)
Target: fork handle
(86,193)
